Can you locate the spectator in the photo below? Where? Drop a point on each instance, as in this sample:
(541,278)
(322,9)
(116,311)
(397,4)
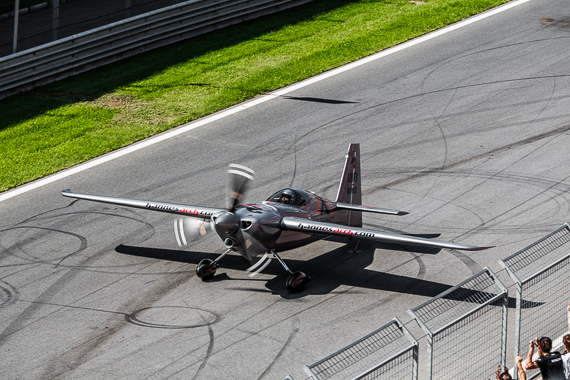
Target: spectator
(522,374)
(499,375)
(504,376)
(566,356)
(549,363)
(507,376)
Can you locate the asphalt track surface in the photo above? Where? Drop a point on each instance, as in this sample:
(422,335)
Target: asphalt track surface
(469,132)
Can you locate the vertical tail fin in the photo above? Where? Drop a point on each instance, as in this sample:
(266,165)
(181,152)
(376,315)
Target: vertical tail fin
(349,190)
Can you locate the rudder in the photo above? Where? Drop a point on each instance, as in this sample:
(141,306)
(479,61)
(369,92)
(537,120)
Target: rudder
(349,190)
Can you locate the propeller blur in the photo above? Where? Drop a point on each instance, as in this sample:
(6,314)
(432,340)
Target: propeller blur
(288,219)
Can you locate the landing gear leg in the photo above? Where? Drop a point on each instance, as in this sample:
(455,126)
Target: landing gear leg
(296,280)
(355,246)
(206,268)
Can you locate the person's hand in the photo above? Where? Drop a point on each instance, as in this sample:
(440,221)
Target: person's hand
(519,359)
(568,305)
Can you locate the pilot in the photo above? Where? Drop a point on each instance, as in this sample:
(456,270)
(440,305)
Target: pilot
(287,197)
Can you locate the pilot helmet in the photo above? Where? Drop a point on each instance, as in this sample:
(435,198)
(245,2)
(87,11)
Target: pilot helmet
(287,196)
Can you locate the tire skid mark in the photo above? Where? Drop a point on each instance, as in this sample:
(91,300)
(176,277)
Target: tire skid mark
(479,218)
(75,356)
(516,144)
(496,220)
(70,360)
(8,294)
(445,144)
(261,312)
(197,352)
(136,320)
(44,231)
(24,318)
(408,288)
(19,245)
(345,116)
(549,135)
(41,216)
(471,264)
(208,352)
(294,330)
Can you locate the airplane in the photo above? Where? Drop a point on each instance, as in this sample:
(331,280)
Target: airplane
(290,218)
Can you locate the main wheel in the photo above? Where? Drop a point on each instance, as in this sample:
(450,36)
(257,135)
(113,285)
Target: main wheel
(206,269)
(297,281)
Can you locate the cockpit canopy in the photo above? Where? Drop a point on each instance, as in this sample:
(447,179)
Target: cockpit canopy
(290,196)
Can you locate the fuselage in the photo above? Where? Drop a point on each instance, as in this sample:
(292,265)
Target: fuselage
(261,229)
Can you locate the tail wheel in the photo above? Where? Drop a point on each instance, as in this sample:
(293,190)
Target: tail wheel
(206,269)
(297,281)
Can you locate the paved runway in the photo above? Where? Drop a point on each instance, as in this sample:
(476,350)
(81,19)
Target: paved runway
(469,132)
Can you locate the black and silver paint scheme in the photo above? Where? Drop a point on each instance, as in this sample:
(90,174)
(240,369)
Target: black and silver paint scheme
(290,218)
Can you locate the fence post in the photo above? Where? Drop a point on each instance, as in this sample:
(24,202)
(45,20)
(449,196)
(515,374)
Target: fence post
(16,19)
(55,26)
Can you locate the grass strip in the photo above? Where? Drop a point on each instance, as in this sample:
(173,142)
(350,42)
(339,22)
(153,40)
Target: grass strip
(56,126)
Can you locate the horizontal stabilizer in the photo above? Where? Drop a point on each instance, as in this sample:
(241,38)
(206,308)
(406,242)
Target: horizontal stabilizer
(347,206)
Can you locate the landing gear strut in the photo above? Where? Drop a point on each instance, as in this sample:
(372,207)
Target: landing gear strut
(207,268)
(297,280)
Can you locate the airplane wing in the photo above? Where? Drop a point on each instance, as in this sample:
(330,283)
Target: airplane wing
(310,226)
(196,211)
(348,206)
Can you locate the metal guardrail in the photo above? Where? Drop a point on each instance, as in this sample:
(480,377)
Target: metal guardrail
(88,50)
(466,328)
(390,352)
(540,272)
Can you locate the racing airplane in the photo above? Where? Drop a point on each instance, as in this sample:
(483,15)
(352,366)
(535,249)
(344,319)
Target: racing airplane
(288,219)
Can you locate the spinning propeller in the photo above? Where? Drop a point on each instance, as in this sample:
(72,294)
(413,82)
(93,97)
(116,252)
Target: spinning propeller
(229,226)
(188,229)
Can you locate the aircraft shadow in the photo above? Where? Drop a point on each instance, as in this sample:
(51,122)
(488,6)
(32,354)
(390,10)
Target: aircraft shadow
(318,100)
(328,271)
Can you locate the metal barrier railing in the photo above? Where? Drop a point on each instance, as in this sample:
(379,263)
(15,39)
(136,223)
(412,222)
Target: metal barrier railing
(540,272)
(453,349)
(466,326)
(97,47)
(396,367)
(389,352)
(25,24)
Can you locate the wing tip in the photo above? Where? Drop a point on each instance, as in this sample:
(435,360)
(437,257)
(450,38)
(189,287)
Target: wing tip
(402,213)
(481,248)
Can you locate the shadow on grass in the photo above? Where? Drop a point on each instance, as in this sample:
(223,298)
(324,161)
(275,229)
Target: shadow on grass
(95,83)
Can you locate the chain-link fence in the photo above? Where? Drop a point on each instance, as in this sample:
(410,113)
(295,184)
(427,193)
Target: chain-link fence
(390,352)
(466,328)
(540,272)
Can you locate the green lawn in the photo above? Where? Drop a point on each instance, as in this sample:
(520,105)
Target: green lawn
(56,126)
